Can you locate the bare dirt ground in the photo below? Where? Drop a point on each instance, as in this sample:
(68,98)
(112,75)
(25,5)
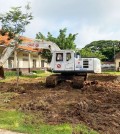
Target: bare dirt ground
(96,105)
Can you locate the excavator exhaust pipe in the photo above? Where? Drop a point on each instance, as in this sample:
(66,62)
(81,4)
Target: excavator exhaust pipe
(2,76)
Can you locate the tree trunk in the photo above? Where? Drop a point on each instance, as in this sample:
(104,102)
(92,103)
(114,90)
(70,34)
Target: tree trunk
(2,73)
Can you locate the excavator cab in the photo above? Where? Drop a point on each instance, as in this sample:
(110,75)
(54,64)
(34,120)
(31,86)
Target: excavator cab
(63,61)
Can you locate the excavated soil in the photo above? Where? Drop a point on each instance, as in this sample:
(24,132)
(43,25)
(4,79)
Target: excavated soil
(96,105)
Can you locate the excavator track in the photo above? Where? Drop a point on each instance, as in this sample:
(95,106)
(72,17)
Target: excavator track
(78,82)
(51,81)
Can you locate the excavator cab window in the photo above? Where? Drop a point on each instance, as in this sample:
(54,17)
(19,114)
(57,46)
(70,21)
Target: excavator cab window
(59,56)
(68,56)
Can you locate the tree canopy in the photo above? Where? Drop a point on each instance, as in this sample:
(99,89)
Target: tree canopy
(14,21)
(108,48)
(87,53)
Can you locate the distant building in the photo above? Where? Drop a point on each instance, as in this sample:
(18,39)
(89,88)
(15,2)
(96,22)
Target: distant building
(117,61)
(108,66)
(28,58)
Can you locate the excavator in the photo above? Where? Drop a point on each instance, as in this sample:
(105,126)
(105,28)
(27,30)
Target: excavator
(65,64)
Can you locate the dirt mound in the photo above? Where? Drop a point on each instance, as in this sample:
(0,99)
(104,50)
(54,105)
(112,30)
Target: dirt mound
(96,105)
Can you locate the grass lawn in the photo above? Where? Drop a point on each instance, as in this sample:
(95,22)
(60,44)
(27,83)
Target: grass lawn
(111,72)
(16,121)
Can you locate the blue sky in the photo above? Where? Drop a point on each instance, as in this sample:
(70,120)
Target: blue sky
(91,19)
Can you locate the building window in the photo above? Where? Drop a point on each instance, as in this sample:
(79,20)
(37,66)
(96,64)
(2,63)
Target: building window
(25,55)
(34,63)
(10,62)
(42,63)
(59,56)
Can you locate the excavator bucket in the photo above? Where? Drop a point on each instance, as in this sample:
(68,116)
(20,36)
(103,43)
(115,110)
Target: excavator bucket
(2,76)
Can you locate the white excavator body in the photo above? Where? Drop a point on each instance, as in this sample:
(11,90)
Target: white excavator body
(67,61)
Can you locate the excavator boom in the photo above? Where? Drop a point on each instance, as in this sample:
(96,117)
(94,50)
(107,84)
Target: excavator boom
(41,44)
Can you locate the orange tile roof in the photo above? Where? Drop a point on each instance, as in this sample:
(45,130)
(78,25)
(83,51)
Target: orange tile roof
(4,40)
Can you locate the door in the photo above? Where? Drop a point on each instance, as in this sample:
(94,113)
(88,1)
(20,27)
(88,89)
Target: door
(69,61)
(34,63)
(42,64)
(59,61)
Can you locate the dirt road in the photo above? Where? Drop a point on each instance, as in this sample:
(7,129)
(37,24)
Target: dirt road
(96,105)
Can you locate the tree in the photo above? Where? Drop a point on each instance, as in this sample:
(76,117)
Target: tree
(86,52)
(14,21)
(63,41)
(108,48)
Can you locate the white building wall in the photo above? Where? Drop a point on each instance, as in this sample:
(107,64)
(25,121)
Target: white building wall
(23,58)
(117,64)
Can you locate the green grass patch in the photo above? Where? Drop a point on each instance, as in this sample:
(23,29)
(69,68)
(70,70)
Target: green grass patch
(36,75)
(111,72)
(65,129)
(10,73)
(17,121)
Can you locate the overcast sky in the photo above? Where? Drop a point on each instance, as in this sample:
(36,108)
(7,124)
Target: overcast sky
(91,19)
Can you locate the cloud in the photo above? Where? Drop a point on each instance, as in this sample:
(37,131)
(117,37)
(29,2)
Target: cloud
(91,33)
(91,19)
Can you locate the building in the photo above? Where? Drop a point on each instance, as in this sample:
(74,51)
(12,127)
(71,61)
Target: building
(108,66)
(117,61)
(26,58)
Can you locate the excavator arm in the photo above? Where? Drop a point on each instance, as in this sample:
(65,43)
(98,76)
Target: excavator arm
(35,44)
(7,52)
(42,44)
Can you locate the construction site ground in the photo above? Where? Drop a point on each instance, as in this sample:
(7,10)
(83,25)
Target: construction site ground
(96,105)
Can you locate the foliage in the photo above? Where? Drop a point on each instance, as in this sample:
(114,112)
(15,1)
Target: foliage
(107,48)
(63,41)
(14,21)
(87,52)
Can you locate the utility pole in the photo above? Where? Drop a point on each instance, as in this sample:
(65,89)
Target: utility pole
(114,50)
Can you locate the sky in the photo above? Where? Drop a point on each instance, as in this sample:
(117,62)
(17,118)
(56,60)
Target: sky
(92,19)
